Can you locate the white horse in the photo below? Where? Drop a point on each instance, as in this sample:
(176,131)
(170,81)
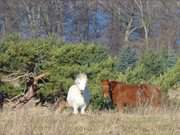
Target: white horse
(78,95)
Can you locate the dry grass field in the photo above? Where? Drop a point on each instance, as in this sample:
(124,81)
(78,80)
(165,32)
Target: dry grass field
(44,121)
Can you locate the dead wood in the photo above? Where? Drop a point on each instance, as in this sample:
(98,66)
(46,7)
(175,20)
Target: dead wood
(16,97)
(30,90)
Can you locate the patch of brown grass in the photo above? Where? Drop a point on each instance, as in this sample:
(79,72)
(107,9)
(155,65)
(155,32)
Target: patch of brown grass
(42,121)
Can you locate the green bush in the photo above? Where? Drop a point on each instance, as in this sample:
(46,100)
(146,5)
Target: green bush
(70,60)
(97,102)
(170,58)
(153,64)
(159,68)
(26,55)
(133,75)
(126,59)
(62,61)
(170,78)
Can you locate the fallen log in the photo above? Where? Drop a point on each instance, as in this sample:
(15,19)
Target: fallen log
(41,76)
(16,97)
(13,79)
(10,79)
(30,90)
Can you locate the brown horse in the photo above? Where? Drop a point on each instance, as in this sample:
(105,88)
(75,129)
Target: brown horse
(122,94)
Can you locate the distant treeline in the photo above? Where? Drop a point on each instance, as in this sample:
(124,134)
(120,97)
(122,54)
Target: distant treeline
(114,23)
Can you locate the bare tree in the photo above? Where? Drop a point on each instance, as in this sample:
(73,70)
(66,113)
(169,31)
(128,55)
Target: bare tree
(155,21)
(144,21)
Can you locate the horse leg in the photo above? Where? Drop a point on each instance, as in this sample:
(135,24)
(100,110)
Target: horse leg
(1,107)
(75,108)
(83,109)
(120,107)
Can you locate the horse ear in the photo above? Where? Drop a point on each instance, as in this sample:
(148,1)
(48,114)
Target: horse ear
(106,81)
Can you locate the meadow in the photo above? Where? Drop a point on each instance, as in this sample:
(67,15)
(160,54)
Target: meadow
(45,121)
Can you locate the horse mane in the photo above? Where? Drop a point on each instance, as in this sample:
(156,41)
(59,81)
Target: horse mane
(113,83)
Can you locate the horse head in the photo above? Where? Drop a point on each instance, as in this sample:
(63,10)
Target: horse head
(81,81)
(106,87)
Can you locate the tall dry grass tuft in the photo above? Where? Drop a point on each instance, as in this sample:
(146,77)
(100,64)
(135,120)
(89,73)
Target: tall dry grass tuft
(43,121)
